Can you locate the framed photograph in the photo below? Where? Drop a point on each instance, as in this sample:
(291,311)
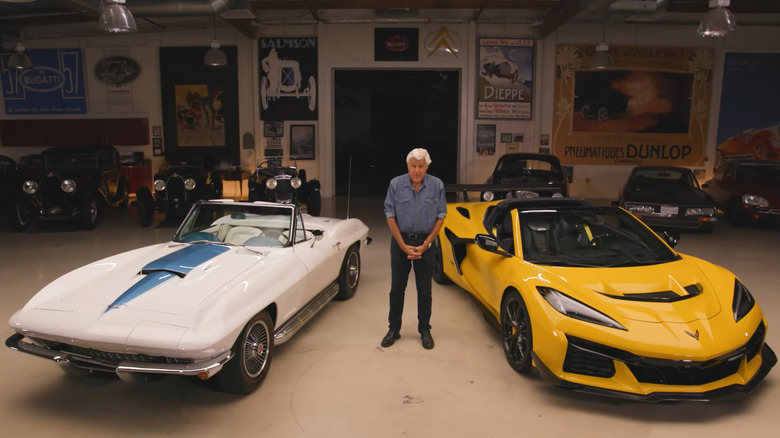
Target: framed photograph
(302,142)
(273,129)
(506,138)
(157,147)
(157,131)
(486,139)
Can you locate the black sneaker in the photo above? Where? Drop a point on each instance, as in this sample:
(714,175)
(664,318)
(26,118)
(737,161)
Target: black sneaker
(427,339)
(390,338)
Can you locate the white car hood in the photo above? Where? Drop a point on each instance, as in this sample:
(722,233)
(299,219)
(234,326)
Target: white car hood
(168,278)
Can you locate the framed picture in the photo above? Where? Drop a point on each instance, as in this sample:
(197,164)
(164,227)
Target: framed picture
(199,105)
(506,138)
(157,131)
(273,129)
(157,147)
(302,142)
(486,139)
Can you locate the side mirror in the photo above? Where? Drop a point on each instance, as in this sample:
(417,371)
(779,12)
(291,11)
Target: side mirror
(670,237)
(317,233)
(489,244)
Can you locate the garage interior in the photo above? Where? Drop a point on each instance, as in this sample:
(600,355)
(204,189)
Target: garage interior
(333,379)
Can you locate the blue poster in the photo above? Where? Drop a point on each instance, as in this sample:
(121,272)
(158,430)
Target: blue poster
(749,121)
(55,84)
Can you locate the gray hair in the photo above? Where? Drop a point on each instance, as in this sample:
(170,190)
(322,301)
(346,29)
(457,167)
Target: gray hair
(419,154)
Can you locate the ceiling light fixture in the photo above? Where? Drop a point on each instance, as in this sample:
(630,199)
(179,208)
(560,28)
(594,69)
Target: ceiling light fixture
(602,59)
(215,57)
(116,18)
(19,59)
(718,21)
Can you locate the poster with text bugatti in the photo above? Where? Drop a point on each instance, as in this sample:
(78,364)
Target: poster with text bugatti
(55,84)
(506,69)
(396,43)
(288,78)
(650,108)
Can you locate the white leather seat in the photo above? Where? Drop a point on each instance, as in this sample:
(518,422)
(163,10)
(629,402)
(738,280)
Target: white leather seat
(238,235)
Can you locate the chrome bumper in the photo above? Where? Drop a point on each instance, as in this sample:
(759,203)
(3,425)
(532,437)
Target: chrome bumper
(126,370)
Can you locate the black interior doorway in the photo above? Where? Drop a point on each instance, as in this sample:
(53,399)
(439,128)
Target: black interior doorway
(380,115)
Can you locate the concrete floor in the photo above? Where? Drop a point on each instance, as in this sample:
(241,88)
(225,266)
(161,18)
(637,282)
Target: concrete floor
(334,380)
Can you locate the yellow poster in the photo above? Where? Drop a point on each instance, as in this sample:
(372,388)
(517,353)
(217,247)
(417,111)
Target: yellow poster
(650,108)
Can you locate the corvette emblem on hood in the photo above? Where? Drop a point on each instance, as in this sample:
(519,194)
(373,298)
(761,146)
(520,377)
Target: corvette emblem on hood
(175,264)
(693,335)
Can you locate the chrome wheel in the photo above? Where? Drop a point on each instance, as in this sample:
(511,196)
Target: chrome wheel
(256,351)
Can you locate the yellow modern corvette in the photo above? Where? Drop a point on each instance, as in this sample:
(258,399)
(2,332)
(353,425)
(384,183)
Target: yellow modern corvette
(597,302)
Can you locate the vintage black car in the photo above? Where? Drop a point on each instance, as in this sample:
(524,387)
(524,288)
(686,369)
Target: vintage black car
(747,191)
(177,186)
(668,197)
(73,184)
(272,181)
(524,175)
(10,181)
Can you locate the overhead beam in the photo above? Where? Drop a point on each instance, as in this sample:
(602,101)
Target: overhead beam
(264,5)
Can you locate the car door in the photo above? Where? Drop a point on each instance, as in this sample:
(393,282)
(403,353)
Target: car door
(322,258)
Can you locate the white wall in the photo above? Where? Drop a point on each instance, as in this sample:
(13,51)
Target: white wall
(350,46)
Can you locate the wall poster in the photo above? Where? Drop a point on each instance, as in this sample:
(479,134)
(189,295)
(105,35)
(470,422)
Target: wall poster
(200,106)
(288,78)
(505,88)
(55,84)
(749,122)
(650,108)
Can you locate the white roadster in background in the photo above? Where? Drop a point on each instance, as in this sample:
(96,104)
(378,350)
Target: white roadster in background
(237,279)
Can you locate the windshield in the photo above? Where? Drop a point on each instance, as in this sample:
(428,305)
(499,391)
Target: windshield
(593,237)
(662,179)
(251,225)
(760,173)
(59,162)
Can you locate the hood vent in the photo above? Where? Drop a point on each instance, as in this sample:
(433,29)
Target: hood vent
(663,296)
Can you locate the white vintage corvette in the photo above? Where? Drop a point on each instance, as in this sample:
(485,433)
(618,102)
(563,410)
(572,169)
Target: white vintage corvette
(237,279)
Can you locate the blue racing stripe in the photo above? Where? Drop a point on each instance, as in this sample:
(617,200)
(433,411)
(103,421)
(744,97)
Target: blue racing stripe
(177,263)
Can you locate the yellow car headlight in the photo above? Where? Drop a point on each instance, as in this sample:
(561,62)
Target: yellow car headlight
(572,308)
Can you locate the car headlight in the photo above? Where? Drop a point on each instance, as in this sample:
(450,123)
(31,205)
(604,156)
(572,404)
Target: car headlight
(159,185)
(754,200)
(68,186)
(295,183)
(742,302)
(30,187)
(270,183)
(638,208)
(700,211)
(572,308)
(189,183)
(488,196)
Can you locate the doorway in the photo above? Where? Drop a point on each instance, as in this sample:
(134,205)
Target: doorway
(381,115)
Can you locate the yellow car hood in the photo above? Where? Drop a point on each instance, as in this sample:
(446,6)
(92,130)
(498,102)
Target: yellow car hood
(618,290)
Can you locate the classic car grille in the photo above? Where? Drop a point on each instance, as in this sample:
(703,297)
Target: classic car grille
(109,357)
(51,193)
(174,188)
(283,191)
(581,359)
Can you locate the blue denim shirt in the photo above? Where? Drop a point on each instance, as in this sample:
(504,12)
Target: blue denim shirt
(416,212)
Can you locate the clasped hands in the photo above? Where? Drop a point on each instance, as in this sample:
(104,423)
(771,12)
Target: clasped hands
(415,252)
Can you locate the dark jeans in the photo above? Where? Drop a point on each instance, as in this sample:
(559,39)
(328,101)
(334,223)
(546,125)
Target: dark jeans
(423,273)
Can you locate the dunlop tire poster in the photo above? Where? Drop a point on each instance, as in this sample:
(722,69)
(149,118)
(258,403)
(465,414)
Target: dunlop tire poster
(651,108)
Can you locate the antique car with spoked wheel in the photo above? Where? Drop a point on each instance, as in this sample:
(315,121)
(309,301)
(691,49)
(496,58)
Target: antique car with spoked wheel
(595,301)
(177,186)
(285,183)
(237,280)
(74,183)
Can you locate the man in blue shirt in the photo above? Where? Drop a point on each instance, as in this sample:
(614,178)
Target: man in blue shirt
(415,208)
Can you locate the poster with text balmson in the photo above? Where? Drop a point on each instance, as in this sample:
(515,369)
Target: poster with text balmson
(650,108)
(505,88)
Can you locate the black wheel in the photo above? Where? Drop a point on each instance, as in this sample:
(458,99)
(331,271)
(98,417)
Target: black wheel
(350,274)
(89,213)
(252,357)
(516,332)
(20,215)
(314,205)
(438,264)
(145,205)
